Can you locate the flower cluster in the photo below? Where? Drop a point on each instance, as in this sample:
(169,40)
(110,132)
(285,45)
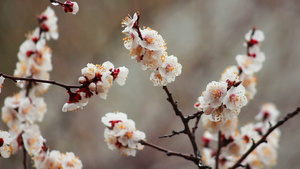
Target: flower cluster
(121,133)
(223,100)
(252,62)
(34,55)
(95,80)
(235,143)
(24,109)
(148,48)
(20,109)
(69,6)
(54,159)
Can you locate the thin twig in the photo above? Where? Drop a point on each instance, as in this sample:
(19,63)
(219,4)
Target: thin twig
(24,158)
(187,129)
(219,149)
(196,123)
(190,157)
(195,115)
(173,134)
(263,138)
(15,79)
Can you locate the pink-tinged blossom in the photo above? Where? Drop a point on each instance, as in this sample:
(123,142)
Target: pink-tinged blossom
(1,82)
(121,134)
(5,140)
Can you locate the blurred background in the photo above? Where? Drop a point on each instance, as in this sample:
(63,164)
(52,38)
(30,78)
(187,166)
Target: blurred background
(204,35)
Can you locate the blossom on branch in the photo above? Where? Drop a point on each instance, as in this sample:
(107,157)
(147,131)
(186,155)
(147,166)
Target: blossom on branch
(34,55)
(148,48)
(95,80)
(222,100)
(55,159)
(33,140)
(18,109)
(121,134)
(48,24)
(69,6)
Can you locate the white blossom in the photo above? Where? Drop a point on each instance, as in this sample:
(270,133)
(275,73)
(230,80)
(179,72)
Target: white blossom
(257,36)
(214,94)
(33,140)
(79,100)
(152,40)
(122,75)
(48,24)
(268,113)
(121,134)
(5,140)
(129,22)
(70,161)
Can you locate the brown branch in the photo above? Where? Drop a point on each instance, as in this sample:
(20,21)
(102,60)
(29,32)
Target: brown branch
(15,79)
(195,115)
(187,129)
(250,44)
(24,157)
(263,138)
(136,25)
(196,122)
(173,134)
(55,1)
(190,157)
(219,149)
